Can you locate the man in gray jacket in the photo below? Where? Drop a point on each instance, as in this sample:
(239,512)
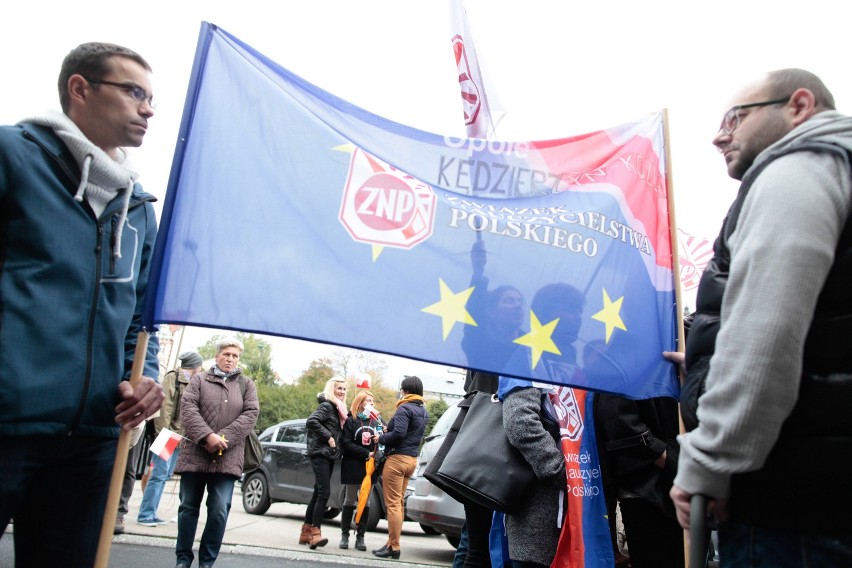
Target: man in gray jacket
(773,445)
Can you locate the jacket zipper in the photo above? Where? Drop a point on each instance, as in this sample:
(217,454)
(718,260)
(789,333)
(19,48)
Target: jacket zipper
(90,335)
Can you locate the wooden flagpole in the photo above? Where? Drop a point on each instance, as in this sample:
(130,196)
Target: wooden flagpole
(681,340)
(120,465)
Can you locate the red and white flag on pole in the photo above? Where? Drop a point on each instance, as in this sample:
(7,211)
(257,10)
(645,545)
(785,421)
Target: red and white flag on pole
(694,254)
(481,112)
(165,443)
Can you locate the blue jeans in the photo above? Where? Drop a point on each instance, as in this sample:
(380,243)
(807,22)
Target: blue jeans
(161,473)
(461,550)
(55,487)
(746,546)
(220,491)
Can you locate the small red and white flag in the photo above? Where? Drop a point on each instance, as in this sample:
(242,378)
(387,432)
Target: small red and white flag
(372,412)
(362,380)
(165,443)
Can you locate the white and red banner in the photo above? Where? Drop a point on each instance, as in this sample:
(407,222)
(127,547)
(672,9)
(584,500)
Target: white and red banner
(481,113)
(693,255)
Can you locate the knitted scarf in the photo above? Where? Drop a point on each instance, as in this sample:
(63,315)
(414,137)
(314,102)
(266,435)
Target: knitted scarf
(102,178)
(409,398)
(342,413)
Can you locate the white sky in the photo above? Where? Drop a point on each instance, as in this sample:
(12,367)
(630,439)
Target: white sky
(559,68)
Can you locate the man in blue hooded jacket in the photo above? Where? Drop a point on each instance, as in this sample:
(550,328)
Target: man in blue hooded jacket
(76,236)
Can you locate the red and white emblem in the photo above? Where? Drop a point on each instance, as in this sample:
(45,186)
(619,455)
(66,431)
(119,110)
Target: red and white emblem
(384,206)
(569,413)
(469,89)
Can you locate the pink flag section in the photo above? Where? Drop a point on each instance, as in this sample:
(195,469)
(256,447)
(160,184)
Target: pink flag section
(478,116)
(165,443)
(694,253)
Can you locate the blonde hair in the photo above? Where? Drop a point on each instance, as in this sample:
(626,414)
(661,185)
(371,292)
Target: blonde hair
(328,391)
(359,400)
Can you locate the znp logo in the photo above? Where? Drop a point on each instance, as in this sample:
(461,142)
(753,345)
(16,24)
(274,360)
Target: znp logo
(384,206)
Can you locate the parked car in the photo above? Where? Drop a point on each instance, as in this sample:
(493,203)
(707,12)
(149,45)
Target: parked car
(285,474)
(425,503)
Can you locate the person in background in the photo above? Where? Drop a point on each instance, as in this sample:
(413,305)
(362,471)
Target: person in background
(76,239)
(216,416)
(129,483)
(174,384)
(401,441)
(639,451)
(770,335)
(358,446)
(325,426)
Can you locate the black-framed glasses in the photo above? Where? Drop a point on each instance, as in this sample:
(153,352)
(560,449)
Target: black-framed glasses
(136,92)
(732,117)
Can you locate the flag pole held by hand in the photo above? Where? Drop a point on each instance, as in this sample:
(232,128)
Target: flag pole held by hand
(120,465)
(698,532)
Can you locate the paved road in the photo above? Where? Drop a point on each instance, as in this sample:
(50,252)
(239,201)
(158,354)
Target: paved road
(259,538)
(134,551)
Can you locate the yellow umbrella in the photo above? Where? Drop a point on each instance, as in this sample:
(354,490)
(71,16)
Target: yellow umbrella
(366,486)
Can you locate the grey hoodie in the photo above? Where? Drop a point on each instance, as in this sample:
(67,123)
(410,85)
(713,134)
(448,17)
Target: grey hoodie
(781,252)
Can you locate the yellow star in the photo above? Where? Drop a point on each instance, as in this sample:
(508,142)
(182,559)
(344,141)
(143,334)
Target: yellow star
(377,250)
(539,338)
(609,315)
(451,308)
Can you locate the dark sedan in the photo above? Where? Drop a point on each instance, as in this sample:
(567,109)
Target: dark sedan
(286,475)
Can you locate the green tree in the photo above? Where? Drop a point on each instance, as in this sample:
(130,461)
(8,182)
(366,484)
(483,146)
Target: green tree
(317,373)
(436,408)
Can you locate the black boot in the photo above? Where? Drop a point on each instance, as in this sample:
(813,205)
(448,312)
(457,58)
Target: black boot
(362,528)
(345,523)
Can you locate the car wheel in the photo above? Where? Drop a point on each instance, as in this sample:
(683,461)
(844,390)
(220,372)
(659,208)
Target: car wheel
(375,504)
(428,530)
(453,540)
(330,513)
(256,495)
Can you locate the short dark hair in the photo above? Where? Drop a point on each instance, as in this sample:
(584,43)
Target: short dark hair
(412,385)
(91,60)
(784,82)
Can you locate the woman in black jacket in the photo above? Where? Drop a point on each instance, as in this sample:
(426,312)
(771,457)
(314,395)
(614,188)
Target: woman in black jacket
(324,427)
(357,443)
(401,441)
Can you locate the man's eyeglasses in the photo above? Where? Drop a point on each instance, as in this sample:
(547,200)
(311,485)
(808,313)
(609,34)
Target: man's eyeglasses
(135,91)
(732,117)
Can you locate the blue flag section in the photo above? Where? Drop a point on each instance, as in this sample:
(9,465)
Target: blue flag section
(291,212)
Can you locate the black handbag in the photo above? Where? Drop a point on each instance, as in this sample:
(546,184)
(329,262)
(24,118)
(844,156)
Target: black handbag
(476,463)
(254,450)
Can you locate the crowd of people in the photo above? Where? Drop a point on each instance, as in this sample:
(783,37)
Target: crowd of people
(765,356)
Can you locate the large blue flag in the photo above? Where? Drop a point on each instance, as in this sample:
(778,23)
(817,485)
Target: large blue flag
(292,212)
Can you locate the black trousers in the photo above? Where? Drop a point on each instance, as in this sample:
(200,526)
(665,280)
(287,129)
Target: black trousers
(654,539)
(478,521)
(322,490)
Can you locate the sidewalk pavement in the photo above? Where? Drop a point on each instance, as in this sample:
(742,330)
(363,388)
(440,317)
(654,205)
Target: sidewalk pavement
(276,533)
